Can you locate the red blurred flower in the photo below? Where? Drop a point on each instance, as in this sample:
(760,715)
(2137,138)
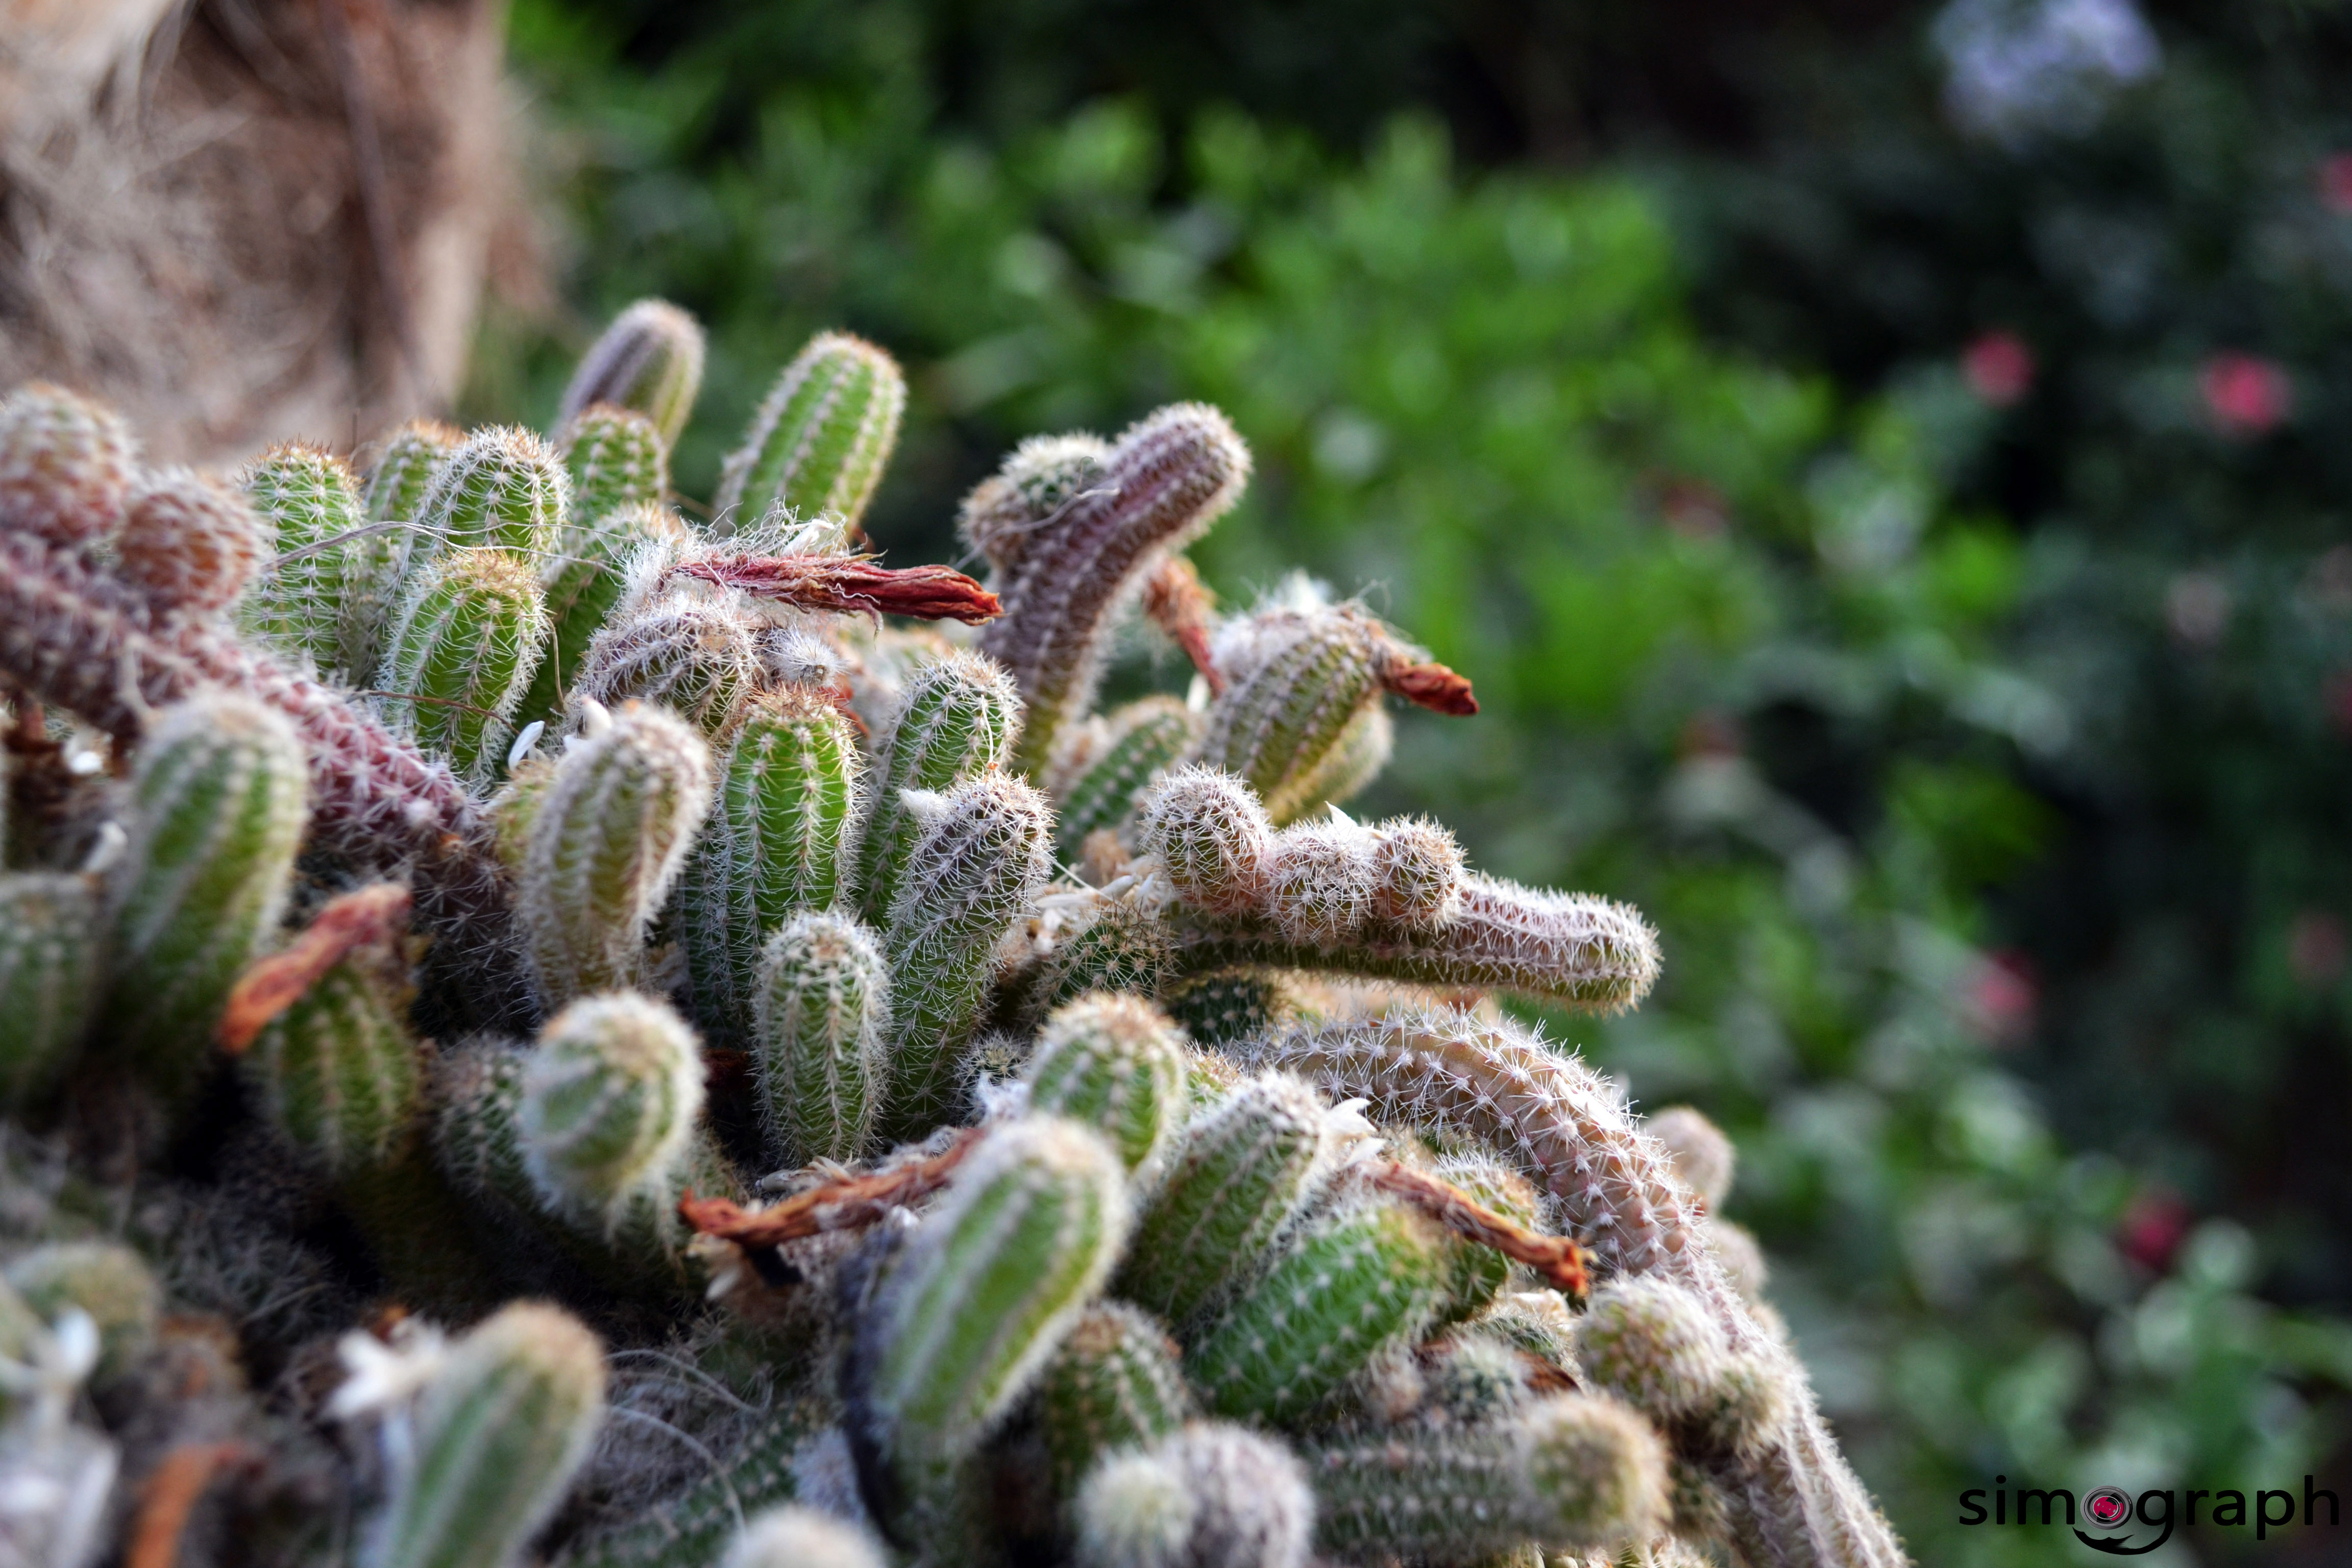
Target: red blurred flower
(2245,393)
(2152,1229)
(1999,368)
(2316,948)
(2002,998)
(2335,182)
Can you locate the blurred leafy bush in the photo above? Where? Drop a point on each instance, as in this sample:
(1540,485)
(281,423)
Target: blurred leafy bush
(1954,830)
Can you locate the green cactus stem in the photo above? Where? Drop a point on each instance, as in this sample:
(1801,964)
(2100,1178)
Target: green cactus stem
(218,802)
(649,361)
(974,1306)
(1119,945)
(49,927)
(1097,781)
(1568,1474)
(339,1073)
(304,599)
(581,584)
(504,489)
(1113,1384)
(820,1008)
(819,442)
(974,872)
(611,1097)
(1167,478)
(504,1424)
(698,658)
(956,720)
(1300,680)
(615,457)
(613,825)
(1116,1063)
(777,842)
(462,650)
(1243,1172)
(395,495)
(1368,1275)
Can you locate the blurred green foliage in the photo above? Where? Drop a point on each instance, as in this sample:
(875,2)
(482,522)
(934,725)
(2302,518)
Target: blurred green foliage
(1800,665)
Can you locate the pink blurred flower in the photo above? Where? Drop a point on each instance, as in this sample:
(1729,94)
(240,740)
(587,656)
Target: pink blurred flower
(2316,948)
(1999,368)
(2002,998)
(2335,182)
(2152,1229)
(2245,393)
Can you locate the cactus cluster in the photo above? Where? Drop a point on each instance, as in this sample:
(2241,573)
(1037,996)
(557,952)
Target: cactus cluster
(533,1029)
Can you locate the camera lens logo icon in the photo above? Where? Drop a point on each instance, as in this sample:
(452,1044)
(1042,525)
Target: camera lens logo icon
(2109,1507)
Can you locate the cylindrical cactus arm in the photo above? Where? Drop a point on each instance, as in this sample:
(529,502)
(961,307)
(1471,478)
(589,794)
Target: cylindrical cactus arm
(311,502)
(79,640)
(469,634)
(820,441)
(581,585)
(777,842)
(339,1074)
(649,361)
(49,935)
(975,1304)
(1300,684)
(1101,772)
(972,875)
(1384,903)
(1166,480)
(187,546)
(501,1430)
(1115,1384)
(1242,1173)
(1368,1275)
(1121,944)
(1211,1496)
(1795,1501)
(1568,1474)
(611,1098)
(1117,1065)
(504,489)
(395,494)
(615,457)
(476,1107)
(956,720)
(66,464)
(820,1009)
(699,660)
(217,805)
(615,823)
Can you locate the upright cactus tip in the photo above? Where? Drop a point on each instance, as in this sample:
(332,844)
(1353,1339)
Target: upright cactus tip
(819,442)
(611,1097)
(186,543)
(501,1430)
(66,464)
(975,1305)
(649,361)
